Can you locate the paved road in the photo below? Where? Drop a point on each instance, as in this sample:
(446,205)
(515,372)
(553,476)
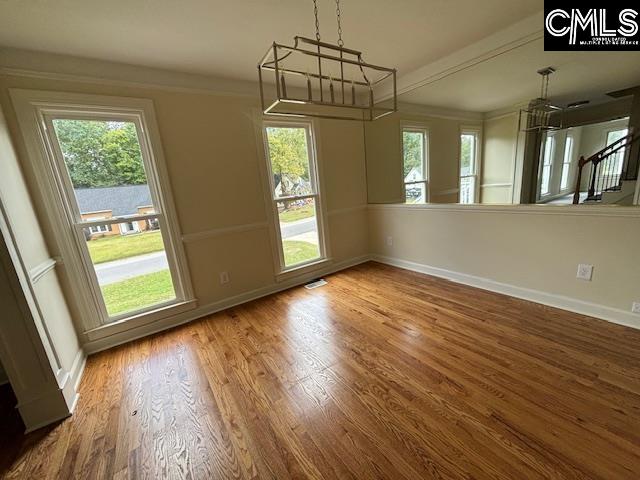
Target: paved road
(118,270)
(291,229)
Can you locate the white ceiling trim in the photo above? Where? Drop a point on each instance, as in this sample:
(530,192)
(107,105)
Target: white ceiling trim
(521,33)
(25,63)
(438,112)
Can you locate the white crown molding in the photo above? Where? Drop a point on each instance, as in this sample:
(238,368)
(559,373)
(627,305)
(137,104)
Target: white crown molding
(514,36)
(405,108)
(26,63)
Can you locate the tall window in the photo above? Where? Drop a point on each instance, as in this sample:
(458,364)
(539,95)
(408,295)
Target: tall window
(104,165)
(414,155)
(295,194)
(566,162)
(615,166)
(547,164)
(468,166)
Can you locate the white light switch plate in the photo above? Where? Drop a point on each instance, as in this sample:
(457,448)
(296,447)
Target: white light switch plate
(635,308)
(585,272)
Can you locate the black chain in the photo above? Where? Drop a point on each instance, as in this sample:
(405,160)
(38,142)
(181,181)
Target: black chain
(315,12)
(340,41)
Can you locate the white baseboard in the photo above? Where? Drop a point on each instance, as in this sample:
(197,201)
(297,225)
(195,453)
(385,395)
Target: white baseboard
(609,314)
(111,341)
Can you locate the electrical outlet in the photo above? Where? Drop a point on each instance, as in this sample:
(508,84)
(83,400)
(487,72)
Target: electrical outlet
(224,277)
(635,308)
(585,272)
(389,241)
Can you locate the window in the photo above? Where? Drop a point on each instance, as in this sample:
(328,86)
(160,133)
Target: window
(414,155)
(103,166)
(547,165)
(468,166)
(566,163)
(100,154)
(614,167)
(295,195)
(99,229)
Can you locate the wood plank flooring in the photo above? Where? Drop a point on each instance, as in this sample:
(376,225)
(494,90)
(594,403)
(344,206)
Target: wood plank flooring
(383,373)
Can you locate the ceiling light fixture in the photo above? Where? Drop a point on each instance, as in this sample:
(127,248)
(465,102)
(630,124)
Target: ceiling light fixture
(537,116)
(313,78)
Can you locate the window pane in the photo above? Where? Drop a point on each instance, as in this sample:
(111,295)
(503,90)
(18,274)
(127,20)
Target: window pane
(564,182)
(566,163)
(299,231)
(131,265)
(104,162)
(467,189)
(546,177)
(467,154)
(289,157)
(548,151)
(415,193)
(413,155)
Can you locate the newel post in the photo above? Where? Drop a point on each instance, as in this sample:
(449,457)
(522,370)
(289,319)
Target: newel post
(576,194)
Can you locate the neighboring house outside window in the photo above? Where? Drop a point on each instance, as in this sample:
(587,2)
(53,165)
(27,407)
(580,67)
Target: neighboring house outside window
(415,148)
(122,202)
(469,165)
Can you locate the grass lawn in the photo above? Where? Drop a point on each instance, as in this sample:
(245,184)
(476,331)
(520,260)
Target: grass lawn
(297,213)
(296,251)
(139,292)
(123,246)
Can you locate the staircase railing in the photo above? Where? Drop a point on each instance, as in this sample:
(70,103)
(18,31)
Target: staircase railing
(604,171)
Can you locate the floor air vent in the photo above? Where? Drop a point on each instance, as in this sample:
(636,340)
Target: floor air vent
(315,284)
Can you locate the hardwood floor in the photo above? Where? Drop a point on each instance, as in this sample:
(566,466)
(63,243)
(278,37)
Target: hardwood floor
(383,373)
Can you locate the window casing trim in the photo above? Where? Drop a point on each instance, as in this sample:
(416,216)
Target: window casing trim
(477,163)
(414,127)
(312,137)
(35,110)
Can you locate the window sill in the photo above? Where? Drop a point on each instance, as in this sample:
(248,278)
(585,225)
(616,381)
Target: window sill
(302,269)
(140,319)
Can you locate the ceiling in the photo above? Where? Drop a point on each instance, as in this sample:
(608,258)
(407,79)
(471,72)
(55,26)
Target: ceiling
(227,38)
(510,78)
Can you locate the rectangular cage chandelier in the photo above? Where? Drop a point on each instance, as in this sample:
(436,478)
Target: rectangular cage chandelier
(313,78)
(538,115)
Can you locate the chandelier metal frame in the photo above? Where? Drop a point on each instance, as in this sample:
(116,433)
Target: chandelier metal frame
(325,95)
(537,116)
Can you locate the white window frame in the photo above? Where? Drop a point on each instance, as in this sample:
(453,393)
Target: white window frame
(477,133)
(36,110)
(102,228)
(552,154)
(407,127)
(314,177)
(567,162)
(620,153)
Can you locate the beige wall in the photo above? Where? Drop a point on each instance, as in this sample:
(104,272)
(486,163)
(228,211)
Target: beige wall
(538,251)
(384,156)
(498,159)
(214,164)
